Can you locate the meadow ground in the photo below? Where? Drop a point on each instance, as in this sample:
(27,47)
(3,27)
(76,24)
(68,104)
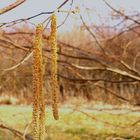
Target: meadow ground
(84,124)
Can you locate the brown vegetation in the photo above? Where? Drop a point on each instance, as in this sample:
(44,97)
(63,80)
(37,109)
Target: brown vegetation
(96,63)
(83,69)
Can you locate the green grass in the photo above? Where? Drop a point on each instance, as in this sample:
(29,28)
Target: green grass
(72,125)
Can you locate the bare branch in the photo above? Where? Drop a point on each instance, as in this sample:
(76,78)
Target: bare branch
(11,6)
(34,16)
(16,132)
(121,14)
(96,119)
(115,70)
(18,64)
(92,34)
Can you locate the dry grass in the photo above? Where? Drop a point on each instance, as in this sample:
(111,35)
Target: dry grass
(74,125)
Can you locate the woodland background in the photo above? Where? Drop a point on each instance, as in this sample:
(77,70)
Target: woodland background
(96,64)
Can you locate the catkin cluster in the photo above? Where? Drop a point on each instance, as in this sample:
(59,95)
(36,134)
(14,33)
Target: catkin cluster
(39,99)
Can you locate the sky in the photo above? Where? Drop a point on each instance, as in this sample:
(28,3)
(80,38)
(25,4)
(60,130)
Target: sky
(90,9)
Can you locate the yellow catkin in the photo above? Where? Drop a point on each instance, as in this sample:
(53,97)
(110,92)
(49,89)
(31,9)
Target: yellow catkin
(41,102)
(37,81)
(54,67)
(42,118)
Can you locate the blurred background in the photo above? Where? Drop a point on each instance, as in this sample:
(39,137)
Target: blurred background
(98,51)
(98,61)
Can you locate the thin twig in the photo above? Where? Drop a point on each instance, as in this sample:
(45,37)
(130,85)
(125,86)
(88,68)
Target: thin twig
(11,6)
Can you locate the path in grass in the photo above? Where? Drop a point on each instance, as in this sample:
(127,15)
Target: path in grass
(73,125)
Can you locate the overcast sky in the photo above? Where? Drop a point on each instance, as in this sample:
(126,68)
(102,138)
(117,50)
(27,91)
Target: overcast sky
(97,9)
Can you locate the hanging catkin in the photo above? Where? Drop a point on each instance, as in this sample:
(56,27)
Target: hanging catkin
(54,83)
(37,80)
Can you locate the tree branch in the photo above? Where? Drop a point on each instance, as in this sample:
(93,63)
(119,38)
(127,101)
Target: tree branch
(11,6)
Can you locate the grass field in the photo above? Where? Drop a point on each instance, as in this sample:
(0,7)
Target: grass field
(74,125)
